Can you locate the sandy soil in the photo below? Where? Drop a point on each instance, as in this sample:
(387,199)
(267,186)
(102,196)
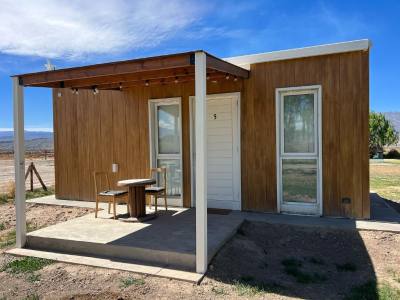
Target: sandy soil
(38,216)
(251,265)
(44,167)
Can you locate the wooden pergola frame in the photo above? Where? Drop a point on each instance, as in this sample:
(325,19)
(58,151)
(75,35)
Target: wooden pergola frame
(197,66)
(124,74)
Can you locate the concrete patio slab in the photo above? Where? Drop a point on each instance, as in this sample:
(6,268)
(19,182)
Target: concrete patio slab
(167,241)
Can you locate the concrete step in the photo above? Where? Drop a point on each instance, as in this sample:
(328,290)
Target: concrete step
(154,257)
(110,264)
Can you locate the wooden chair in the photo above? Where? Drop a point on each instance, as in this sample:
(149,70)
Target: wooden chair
(158,191)
(108,195)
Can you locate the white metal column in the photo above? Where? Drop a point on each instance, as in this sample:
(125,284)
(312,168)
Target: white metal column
(201,161)
(19,160)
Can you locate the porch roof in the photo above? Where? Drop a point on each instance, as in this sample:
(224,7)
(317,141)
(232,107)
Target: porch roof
(172,68)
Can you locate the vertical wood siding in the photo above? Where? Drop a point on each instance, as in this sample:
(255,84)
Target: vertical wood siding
(92,132)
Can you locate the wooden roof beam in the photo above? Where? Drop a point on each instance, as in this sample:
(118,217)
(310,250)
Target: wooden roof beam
(52,78)
(223,66)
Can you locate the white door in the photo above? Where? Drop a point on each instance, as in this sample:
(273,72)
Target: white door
(299,150)
(223,156)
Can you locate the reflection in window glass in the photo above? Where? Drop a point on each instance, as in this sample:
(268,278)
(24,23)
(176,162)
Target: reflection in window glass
(173,176)
(298,123)
(168,129)
(299,180)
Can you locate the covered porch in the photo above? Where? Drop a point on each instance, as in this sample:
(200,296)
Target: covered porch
(187,232)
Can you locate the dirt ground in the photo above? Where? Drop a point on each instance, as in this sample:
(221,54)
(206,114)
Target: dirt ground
(45,167)
(262,261)
(37,216)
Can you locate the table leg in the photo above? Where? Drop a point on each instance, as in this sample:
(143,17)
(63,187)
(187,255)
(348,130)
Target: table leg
(137,201)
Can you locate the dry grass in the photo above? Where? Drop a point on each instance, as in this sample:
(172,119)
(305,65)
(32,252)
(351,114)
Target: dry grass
(385,178)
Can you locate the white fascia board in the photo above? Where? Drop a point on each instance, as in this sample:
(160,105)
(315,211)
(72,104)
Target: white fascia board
(245,61)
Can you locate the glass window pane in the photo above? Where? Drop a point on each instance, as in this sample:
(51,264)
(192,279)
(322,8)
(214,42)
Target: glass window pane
(298,124)
(173,176)
(168,129)
(299,180)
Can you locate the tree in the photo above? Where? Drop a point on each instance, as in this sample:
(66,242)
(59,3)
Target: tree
(381,133)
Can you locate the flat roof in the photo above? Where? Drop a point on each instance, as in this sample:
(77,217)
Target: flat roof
(164,69)
(245,61)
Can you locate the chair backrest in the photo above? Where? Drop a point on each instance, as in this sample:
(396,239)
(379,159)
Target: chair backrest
(101,182)
(157,172)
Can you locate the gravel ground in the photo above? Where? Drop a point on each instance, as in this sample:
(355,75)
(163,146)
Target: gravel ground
(259,262)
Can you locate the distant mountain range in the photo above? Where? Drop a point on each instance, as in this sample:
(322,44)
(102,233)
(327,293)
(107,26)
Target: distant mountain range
(34,141)
(394,117)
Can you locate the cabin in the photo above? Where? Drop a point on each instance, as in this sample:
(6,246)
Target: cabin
(277,132)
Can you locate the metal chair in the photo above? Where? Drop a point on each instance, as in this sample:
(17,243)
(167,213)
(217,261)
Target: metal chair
(108,195)
(158,191)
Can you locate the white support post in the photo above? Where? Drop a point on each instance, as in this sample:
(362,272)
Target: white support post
(201,162)
(19,160)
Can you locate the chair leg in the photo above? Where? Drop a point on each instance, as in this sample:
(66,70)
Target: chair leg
(155,202)
(97,208)
(165,201)
(114,209)
(148,199)
(109,207)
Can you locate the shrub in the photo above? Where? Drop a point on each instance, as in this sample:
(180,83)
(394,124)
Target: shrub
(10,188)
(392,154)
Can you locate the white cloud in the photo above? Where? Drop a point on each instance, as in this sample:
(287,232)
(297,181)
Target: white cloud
(72,29)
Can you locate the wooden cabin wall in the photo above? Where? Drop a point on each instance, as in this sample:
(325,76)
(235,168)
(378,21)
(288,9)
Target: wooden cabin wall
(93,131)
(345,111)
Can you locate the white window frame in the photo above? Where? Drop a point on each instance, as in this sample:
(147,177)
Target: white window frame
(153,141)
(306,208)
(236,143)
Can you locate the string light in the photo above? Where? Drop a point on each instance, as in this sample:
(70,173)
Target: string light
(95,90)
(120,86)
(235,79)
(147,83)
(227,76)
(176,80)
(59,94)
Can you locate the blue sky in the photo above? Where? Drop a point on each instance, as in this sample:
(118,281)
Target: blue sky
(73,33)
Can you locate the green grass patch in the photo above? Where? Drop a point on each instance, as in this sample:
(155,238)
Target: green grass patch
(26,265)
(246,286)
(292,267)
(36,193)
(218,290)
(371,291)
(33,277)
(126,282)
(39,193)
(3,198)
(2,226)
(385,178)
(10,238)
(346,267)
(395,275)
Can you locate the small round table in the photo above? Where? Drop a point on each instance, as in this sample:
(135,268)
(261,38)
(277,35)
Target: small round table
(136,196)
